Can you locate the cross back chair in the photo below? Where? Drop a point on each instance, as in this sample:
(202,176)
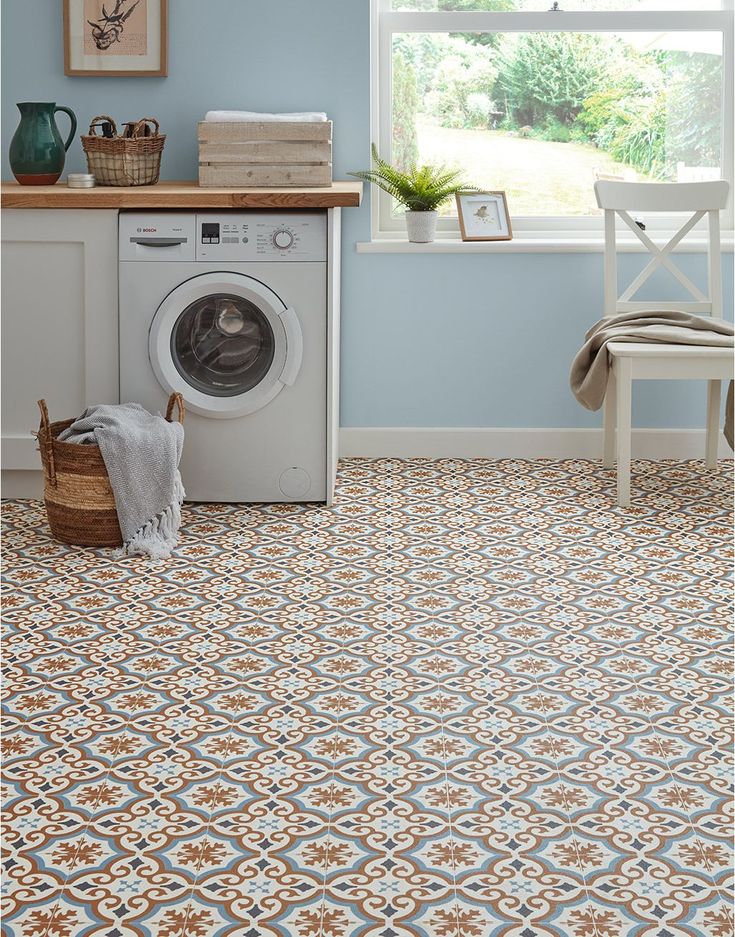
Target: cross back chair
(631,361)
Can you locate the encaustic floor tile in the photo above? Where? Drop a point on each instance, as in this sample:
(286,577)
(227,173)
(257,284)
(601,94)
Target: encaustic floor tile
(471,699)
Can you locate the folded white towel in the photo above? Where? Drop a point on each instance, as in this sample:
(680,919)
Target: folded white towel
(304,117)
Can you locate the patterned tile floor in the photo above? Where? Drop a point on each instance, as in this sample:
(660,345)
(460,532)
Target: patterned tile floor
(474,699)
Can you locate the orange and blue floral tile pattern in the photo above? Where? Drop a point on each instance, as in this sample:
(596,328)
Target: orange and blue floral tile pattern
(473,699)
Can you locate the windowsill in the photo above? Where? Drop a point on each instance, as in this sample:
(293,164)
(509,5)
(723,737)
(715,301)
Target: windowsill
(527,245)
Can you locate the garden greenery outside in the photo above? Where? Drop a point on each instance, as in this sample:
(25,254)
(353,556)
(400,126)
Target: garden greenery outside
(541,115)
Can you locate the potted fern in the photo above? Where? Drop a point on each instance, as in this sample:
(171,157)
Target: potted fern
(422,190)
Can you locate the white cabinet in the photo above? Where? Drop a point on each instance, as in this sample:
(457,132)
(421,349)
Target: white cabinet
(59,326)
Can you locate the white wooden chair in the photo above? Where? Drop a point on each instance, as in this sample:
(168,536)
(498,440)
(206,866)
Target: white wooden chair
(640,361)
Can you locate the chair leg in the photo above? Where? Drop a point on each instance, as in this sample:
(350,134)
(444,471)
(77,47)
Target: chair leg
(624,398)
(713,423)
(608,422)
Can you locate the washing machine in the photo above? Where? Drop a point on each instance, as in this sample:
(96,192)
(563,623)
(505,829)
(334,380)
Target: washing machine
(230,309)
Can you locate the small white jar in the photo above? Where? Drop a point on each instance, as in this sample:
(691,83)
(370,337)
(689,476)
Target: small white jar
(81,180)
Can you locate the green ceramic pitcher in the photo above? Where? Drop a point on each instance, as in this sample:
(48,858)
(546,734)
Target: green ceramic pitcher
(37,153)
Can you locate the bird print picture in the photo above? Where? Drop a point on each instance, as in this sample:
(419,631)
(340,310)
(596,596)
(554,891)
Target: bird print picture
(487,216)
(483,216)
(116,27)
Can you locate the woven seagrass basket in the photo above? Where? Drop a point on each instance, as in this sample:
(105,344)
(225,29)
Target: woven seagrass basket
(79,501)
(133,160)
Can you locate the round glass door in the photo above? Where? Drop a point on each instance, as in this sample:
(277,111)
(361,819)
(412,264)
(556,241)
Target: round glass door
(226,342)
(222,345)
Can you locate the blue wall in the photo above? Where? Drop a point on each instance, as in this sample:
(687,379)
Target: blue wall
(428,339)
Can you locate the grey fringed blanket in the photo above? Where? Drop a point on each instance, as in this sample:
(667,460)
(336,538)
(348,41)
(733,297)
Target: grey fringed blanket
(141,454)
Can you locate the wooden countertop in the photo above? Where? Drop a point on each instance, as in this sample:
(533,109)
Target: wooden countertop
(179,195)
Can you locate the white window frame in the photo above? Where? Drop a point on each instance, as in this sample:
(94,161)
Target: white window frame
(385,23)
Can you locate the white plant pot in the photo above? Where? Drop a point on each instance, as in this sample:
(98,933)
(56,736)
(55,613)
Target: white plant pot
(421,226)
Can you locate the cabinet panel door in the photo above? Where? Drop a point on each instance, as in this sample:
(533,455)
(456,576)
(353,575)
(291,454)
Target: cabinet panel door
(59,320)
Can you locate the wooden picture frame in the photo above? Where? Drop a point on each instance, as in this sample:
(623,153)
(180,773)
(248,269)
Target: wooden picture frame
(483,216)
(129,40)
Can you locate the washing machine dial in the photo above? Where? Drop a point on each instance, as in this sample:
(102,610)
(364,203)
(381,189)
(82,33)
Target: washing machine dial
(283,239)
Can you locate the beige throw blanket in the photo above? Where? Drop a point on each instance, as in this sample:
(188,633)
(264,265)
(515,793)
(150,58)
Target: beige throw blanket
(591,367)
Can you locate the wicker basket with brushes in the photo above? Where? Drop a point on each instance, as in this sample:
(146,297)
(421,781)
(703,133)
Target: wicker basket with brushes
(79,501)
(127,160)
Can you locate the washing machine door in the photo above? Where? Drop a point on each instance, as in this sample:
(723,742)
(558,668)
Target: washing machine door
(226,342)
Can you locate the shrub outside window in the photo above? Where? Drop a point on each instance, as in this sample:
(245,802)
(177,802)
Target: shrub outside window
(541,103)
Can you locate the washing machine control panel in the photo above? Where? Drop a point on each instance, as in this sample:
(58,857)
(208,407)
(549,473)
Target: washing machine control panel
(261,236)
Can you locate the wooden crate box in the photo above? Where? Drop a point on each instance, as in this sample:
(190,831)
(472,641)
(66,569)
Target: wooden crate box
(276,153)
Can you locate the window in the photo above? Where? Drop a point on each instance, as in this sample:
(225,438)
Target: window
(541,103)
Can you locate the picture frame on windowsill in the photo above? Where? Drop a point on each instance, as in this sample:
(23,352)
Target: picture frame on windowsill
(116,38)
(483,216)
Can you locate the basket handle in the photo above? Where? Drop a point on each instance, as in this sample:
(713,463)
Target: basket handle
(102,119)
(45,428)
(139,127)
(178,401)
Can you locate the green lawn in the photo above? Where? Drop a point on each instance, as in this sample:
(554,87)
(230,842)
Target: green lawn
(539,178)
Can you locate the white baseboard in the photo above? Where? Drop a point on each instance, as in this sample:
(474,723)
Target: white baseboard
(470,442)
(17,483)
(491,443)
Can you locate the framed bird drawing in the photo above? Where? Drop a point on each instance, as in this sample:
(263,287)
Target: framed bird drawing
(116,37)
